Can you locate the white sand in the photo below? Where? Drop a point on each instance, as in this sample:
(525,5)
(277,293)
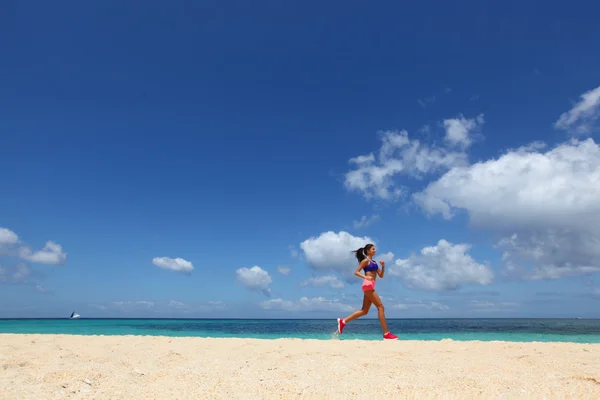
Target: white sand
(143,367)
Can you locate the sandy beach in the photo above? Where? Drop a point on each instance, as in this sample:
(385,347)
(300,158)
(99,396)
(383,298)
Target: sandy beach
(146,367)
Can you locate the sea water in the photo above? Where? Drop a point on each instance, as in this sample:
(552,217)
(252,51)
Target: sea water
(516,330)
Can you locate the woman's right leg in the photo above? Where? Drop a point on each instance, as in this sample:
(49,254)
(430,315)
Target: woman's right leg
(374,299)
(360,313)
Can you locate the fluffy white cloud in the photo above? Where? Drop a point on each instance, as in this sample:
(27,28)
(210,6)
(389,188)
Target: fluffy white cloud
(441,267)
(176,304)
(525,186)
(173,264)
(544,205)
(333,251)
(373,177)
(52,253)
(326,280)
(386,257)
(8,237)
(20,272)
(459,130)
(552,253)
(255,278)
(306,304)
(419,304)
(365,221)
(284,269)
(580,119)
(11,245)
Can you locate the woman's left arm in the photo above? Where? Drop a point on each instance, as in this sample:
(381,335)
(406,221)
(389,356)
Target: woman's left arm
(381,270)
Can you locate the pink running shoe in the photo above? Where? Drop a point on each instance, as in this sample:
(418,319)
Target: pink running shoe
(341,325)
(390,336)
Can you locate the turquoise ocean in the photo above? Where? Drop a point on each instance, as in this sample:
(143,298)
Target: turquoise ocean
(519,330)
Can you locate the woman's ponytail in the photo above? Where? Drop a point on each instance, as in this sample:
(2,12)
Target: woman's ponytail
(360,254)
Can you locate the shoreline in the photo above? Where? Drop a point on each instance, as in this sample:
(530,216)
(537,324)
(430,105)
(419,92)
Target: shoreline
(353,340)
(54,366)
(329,339)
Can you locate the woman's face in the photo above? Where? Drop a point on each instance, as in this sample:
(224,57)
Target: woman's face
(371,252)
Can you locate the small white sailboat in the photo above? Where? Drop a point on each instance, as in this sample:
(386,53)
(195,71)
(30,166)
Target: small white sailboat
(74,315)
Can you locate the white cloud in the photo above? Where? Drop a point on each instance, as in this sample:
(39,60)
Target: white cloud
(284,269)
(8,237)
(553,253)
(488,306)
(133,305)
(386,257)
(52,253)
(173,264)
(374,177)
(459,130)
(427,305)
(333,251)
(326,280)
(11,245)
(580,119)
(293,251)
(18,273)
(176,304)
(365,221)
(441,267)
(154,308)
(306,304)
(21,274)
(255,278)
(41,289)
(544,205)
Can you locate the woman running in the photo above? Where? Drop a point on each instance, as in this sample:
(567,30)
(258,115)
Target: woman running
(364,255)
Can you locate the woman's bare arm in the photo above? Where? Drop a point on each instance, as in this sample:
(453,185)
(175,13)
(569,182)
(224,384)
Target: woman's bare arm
(362,264)
(381,271)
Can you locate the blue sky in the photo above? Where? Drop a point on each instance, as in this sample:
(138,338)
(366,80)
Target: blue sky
(221,159)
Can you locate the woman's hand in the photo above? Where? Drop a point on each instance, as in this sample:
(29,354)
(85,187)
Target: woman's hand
(381,271)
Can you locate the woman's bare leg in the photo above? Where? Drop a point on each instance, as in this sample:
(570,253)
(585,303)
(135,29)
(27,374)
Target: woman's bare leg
(360,313)
(374,298)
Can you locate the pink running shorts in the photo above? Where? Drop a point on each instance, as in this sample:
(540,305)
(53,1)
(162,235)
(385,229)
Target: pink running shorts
(368,285)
